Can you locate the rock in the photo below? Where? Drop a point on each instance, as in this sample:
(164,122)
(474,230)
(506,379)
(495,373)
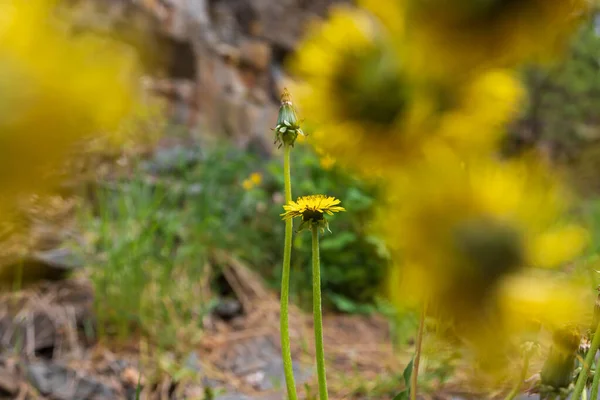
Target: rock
(230,118)
(132,377)
(192,362)
(60,258)
(9,385)
(274,377)
(46,321)
(61,383)
(172,160)
(255,53)
(55,264)
(258,96)
(258,362)
(259,120)
(227,309)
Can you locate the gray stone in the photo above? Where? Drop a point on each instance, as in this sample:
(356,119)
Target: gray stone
(255,53)
(61,383)
(228,309)
(274,377)
(171,160)
(55,264)
(60,258)
(9,384)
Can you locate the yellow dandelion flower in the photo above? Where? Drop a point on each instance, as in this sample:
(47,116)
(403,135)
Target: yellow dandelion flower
(367,112)
(256,178)
(55,89)
(391,14)
(247,184)
(312,209)
(454,38)
(462,228)
(327,162)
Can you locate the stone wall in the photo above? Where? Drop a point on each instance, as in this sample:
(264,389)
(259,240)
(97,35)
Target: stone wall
(221,60)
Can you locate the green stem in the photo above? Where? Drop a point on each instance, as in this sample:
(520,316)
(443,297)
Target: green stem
(286,351)
(589,359)
(595,383)
(522,378)
(317,314)
(415,372)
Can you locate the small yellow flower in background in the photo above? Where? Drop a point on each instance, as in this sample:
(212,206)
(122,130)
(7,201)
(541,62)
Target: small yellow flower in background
(252,181)
(256,178)
(247,184)
(327,162)
(312,209)
(370,114)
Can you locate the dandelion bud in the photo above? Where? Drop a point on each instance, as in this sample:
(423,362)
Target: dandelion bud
(557,372)
(288,126)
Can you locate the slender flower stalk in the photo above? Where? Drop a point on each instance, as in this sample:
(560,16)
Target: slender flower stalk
(286,132)
(527,353)
(595,322)
(585,368)
(286,351)
(595,383)
(318,314)
(415,372)
(312,209)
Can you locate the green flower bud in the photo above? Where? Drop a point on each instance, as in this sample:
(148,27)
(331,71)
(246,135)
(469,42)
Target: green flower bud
(557,372)
(288,126)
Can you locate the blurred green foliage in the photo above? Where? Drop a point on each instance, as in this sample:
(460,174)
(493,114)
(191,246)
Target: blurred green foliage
(564,98)
(246,222)
(146,278)
(156,230)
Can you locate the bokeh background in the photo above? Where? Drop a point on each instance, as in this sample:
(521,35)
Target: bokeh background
(154,261)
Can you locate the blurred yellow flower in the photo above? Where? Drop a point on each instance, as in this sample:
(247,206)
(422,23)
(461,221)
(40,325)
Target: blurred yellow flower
(247,184)
(391,14)
(456,38)
(55,89)
(550,298)
(327,162)
(256,178)
(312,209)
(461,227)
(252,181)
(365,109)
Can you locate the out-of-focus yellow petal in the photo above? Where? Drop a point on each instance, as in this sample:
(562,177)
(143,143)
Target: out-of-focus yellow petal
(552,300)
(558,246)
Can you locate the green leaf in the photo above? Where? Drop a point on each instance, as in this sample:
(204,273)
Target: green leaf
(337,241)
(408,373)
(403,395)
(351,307)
